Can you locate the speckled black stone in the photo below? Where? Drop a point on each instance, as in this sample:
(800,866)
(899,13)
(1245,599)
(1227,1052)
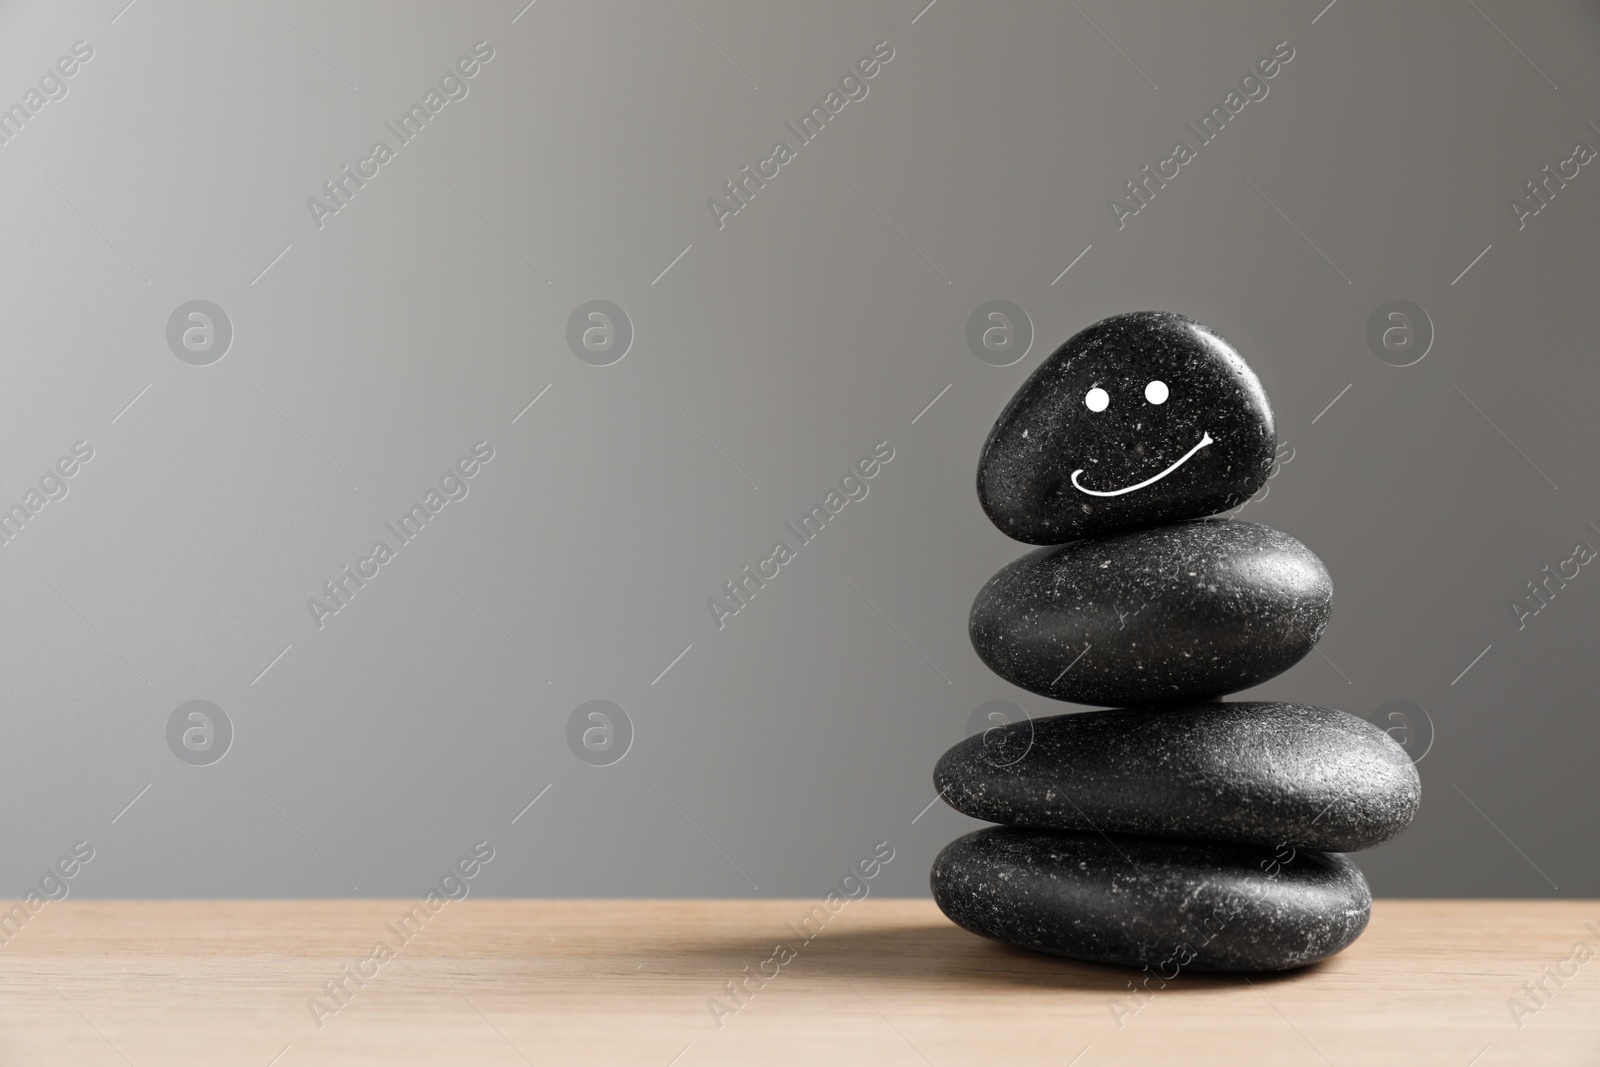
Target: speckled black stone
(1171,614)
(1255,773)
(1166,904)
(1047,432)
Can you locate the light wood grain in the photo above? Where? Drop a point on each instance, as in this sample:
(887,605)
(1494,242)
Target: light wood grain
(887,982)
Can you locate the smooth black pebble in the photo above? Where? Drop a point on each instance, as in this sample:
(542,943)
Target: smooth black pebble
(1172,614)
(1147,901)
(1140,419)
(1256,773)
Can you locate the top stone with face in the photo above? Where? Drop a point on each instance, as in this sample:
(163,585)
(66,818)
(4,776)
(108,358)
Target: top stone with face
(1140,419)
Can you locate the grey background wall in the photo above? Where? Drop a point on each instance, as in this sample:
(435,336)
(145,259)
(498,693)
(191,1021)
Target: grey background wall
(372,347)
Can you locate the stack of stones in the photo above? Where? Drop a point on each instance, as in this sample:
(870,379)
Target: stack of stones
(1176,831)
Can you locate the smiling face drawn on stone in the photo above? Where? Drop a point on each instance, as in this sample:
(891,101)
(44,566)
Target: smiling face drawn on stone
(1140,419)
(1097,399)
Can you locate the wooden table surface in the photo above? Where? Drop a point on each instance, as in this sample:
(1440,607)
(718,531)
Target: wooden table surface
(886,982)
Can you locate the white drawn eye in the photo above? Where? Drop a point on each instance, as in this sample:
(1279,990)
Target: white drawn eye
(1097,398)
(1156,392)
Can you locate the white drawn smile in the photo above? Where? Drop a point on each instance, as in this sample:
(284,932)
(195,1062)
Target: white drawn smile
(1205,439)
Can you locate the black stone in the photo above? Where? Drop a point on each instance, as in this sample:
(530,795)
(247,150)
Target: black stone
(1255,773)
(1172,614)
(1047,435)
(1166,904)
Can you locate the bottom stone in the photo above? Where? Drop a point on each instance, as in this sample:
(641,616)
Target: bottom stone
(1167,904)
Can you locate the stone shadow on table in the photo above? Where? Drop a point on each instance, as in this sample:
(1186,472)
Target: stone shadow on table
(942,953)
